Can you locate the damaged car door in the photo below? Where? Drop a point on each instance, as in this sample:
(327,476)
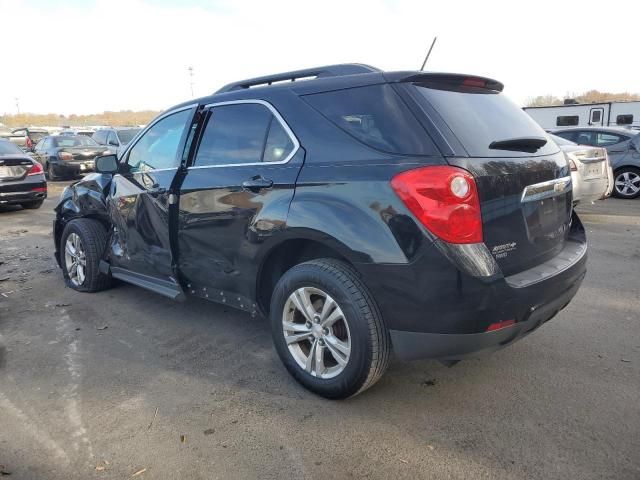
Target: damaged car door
(139,204)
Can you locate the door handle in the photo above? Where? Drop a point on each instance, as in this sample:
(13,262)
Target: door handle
(257,183)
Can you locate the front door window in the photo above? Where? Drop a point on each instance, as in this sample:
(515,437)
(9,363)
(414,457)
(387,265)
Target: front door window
(157,149)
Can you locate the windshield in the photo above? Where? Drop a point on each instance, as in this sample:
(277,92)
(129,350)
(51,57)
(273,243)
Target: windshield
(478,117)
(75,141)
(8,148)
(127,135)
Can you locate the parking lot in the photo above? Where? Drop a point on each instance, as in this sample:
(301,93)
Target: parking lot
(125,382)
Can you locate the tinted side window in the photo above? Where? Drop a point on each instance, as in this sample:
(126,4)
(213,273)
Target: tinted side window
(567,120)
(585,138)
(606,139)
(234,134)
(279,144)
(112,139)
(158,147)
(624,119)
(376,116)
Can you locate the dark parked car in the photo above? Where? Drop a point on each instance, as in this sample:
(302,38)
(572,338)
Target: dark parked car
(22,179)
(65,156)
(623,148)
(359,209)
(115,139)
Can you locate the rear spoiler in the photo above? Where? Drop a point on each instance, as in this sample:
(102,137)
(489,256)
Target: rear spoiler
(445,79)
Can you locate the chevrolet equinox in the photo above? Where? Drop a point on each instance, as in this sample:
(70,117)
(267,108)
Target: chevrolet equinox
(360,211)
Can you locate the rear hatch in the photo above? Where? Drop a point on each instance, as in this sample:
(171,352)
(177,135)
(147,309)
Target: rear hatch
(13,169)
(523,179)
(591,162)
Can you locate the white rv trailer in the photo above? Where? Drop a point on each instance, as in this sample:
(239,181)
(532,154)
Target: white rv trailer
(610,114)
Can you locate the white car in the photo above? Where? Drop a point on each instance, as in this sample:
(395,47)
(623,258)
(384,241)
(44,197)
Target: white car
(591,172)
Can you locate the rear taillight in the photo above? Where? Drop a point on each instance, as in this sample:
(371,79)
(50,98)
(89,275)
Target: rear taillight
(444,199)
(35,169)
(28,143)
(571,159)
(500,325)
(65,156)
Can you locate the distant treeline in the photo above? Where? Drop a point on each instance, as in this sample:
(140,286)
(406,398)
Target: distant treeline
(592,96)
(121,118)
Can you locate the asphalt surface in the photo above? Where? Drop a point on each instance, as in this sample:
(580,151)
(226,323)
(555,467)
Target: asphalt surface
(112,384)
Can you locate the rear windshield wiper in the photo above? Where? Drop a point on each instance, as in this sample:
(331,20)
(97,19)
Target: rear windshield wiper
(519,144)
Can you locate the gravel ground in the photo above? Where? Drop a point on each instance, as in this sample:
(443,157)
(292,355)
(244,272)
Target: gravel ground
(112,384)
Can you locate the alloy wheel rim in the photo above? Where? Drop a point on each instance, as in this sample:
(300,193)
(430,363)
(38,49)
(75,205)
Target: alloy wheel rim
(75,259)
(628,183)
(316,332)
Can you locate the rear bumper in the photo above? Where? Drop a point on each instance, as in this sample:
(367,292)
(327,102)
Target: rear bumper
(414,345)
(590,190)
(435,308)
(73,167)
(24,191)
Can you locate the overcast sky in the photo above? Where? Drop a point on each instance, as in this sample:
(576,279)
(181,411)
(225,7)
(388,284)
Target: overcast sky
(83,56)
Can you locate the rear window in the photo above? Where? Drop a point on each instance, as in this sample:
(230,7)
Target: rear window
(375,116)
(127,135)
(478,117)
(74,141)
(8,148)
(561,141)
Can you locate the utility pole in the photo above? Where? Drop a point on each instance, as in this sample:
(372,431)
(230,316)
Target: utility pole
(428,53)
(191,79)
(17,104)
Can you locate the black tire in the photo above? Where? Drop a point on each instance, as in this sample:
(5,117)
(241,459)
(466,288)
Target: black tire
(93,236)
(369,337)
(619,176)
(50,173)
(32,205)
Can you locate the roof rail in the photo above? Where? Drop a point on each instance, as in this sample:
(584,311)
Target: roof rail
(317,72)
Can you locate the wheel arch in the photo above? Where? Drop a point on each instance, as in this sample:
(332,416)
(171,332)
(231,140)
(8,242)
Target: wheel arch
(291,251)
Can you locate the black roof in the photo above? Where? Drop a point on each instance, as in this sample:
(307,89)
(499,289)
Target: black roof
(325,78)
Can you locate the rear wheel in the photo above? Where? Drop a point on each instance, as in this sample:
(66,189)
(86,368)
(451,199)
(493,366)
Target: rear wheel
(81,246)
(627,182)
(328,330)
(32,205)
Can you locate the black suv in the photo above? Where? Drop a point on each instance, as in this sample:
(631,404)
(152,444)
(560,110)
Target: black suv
(359,210)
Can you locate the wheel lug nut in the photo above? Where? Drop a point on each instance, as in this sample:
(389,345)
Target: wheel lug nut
(325,331)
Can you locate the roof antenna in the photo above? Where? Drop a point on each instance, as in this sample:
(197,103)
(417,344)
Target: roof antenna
(428,53)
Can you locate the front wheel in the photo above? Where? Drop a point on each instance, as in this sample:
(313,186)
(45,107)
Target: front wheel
(327,329)
(81,247)
(627,182)
(51,174)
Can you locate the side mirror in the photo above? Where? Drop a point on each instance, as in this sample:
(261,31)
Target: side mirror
(107,164)
(633,146)
(113,143)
